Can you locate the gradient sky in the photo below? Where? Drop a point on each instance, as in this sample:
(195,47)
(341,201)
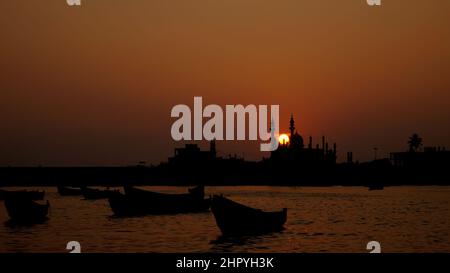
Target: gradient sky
(94,85)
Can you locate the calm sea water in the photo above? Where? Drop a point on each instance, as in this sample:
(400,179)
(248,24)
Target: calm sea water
(334,219)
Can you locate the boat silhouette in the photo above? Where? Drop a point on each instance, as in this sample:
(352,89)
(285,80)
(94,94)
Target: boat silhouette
(70,191)
(94,194)
(234,218)
(23,194)
(138,202)
(26,211)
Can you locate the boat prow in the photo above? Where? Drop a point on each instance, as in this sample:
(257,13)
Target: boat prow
(233,218)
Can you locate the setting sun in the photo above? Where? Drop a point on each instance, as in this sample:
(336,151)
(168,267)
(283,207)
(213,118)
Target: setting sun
(283,139)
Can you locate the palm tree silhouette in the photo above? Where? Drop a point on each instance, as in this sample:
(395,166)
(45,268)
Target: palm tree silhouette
(414,142)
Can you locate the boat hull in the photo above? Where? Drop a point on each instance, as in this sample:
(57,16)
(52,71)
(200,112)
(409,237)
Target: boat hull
(95,194)
(136,202)
(236,219)
(66,191)
(26,211)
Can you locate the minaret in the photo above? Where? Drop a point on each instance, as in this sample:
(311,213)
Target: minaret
(292,126)
(323,144)
(349,157)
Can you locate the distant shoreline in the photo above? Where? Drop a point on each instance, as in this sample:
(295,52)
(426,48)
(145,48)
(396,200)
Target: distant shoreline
(155,176)
(184,186)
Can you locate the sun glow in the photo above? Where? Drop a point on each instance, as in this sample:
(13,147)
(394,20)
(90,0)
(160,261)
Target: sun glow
(283,139)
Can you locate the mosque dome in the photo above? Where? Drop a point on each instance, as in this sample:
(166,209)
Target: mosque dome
(297,141)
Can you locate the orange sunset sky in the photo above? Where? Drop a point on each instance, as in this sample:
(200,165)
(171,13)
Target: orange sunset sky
(94,85)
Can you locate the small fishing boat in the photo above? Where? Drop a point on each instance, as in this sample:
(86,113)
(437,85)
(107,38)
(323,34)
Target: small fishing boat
(194,193)
(70,191)
(94,194)
(23,210)
(233,218)
(32,195)
(137,202)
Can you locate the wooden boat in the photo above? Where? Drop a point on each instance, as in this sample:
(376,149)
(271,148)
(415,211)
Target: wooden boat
(233,218)
(70,191)
(137,202)
(194,193)
(93,194)
(23,210)
(32,195)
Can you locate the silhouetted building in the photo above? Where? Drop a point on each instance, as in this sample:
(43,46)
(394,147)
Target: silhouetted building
(430,157)
(191,154)
(295,152)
